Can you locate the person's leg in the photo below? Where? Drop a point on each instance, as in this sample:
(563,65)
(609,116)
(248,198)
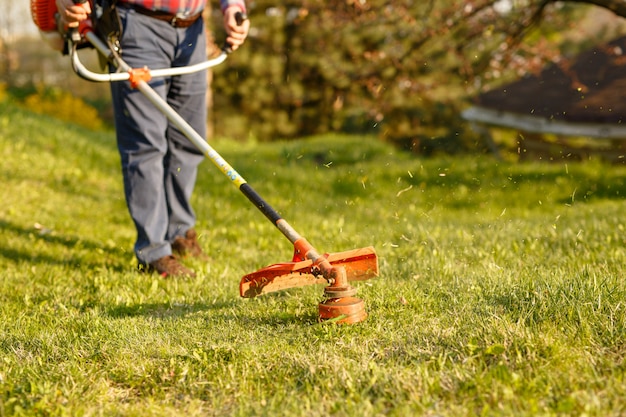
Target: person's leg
(187,96)
(141,130)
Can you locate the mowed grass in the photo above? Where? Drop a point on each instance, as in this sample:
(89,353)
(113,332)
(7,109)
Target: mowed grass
(501,288)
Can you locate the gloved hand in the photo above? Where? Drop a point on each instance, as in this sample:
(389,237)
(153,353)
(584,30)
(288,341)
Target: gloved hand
(71,13)
(235,33)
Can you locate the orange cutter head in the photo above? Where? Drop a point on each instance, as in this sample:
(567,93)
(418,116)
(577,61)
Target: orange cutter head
(360,264)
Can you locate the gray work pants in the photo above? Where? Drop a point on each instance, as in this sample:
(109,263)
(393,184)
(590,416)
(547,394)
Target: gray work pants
(159,164)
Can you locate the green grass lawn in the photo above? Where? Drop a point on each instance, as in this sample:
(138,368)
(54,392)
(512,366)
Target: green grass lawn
(501,288)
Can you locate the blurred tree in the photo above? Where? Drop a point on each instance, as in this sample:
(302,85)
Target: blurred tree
(8,56)
(399,68)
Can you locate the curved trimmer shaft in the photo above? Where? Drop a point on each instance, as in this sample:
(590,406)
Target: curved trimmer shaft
(307,266)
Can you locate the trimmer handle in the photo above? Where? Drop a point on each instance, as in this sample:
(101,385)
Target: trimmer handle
(75,33)
(240,17)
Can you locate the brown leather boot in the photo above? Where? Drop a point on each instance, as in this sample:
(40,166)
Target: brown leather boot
(188,245)
(168,267)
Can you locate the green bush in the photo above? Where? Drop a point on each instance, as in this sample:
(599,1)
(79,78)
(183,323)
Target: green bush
(64,106)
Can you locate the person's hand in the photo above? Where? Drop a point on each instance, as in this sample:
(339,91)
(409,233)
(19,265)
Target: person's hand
(235,34)
(72,14)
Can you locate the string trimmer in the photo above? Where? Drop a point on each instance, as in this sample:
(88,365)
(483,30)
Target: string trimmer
(307,266)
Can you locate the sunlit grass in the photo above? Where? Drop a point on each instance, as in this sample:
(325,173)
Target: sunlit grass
(501,289)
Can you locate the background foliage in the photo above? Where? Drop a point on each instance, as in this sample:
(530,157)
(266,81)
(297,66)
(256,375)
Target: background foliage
(401,70)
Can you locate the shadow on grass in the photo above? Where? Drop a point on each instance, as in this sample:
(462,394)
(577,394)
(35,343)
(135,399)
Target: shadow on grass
(70,242)
(164,310)
(223,311)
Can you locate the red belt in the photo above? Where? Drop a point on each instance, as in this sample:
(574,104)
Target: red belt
(172,19)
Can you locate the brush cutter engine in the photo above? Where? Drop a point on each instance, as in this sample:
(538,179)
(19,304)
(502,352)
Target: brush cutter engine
(103,21)
(46,17)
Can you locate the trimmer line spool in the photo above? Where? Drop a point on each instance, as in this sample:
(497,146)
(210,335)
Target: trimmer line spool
(339,303)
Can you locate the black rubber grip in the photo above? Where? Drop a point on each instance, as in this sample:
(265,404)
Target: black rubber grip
(261,204)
